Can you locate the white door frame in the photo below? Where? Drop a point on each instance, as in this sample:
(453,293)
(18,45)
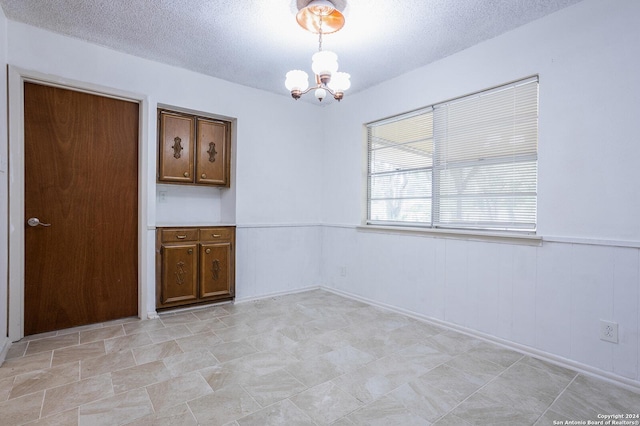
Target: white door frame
(146,186)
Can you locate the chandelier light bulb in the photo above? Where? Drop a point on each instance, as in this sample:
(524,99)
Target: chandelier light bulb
(320,94)
(297,80)
(340,81)
(324,62)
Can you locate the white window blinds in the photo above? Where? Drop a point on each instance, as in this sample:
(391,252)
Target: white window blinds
(400,169)
(467,163)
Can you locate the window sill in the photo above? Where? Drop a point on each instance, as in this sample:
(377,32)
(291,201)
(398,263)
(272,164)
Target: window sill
(469,235)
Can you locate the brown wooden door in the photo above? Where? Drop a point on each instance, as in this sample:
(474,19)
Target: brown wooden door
(81,177)
(212,156)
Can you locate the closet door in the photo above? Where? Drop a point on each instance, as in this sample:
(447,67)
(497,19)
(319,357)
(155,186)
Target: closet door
(81,208)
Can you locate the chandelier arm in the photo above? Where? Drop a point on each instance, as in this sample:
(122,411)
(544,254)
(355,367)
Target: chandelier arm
(308,90)
(319,86)
(327,88)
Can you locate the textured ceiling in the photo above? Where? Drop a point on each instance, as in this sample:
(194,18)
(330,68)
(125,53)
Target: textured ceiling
(255,42)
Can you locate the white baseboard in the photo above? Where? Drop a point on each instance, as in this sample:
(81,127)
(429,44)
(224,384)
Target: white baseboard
(625,382)
(189,308)
(277,294)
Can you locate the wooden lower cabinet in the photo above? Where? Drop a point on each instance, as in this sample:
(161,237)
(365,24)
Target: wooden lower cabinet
(179,274)
(194,265)
(215,270)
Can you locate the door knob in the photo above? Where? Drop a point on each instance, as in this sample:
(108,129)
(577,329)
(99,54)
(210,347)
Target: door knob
(34,221)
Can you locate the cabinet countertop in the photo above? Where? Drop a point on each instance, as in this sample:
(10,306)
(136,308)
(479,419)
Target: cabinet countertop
(192,225)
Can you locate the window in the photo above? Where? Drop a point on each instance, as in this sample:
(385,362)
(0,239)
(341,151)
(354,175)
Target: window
(468,163)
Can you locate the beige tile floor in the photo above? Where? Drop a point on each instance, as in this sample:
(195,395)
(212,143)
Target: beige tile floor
(311,358)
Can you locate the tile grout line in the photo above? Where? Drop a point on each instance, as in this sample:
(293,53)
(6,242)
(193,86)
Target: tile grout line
(44,396)
(508,368)
(193,416)
(480,388)
(558,397)
(365,404)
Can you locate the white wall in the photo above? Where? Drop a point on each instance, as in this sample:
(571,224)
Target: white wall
(549,298)
(275,176)
(4,196)
(277,259)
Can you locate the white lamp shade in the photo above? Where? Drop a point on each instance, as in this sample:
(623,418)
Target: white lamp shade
(340,81)
(324,62)
(297,80)
(320,94)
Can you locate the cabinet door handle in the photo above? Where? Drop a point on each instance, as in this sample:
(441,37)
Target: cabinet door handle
(207,251)
(186,174)
(212,152)
(181,237)
(190,251)
(215,268)
(215,235)
(177,147)
(203,176)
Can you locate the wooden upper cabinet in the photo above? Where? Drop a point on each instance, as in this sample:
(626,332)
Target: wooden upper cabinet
(212,156)
(194,150)
(176,148)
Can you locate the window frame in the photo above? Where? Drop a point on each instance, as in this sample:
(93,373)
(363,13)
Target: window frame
(492,226)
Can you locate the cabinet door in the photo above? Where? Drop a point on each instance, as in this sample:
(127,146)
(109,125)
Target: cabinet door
(212,156)
(216,270)
(176,148)
(179,281)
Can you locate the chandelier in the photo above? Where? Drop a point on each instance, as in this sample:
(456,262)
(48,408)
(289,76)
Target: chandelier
(320,17)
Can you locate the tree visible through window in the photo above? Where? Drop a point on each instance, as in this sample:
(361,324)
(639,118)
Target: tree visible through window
(466,163)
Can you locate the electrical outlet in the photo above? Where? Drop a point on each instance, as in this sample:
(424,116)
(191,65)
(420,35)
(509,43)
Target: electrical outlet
(343,271)
(162,196)
(609,331)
